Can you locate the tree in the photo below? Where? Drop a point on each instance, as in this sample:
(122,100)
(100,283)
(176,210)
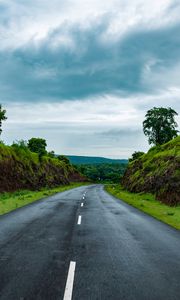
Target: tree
(37,145)
(51,154)
(2,116)
(160,125)
(136,155)
(64,159)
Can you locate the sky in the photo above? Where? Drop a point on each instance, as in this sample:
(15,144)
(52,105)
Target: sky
(83,73)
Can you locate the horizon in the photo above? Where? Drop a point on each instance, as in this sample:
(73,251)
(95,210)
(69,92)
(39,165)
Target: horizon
(97,157)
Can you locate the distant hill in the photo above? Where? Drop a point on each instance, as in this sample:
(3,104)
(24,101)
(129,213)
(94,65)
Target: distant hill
(157,172)
(83,160)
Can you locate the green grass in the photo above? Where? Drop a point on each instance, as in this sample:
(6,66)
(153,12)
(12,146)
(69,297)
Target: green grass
(12,201)
(160,166)
(148,204)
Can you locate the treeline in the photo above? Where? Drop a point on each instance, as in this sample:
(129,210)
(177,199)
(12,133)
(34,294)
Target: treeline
(107,173)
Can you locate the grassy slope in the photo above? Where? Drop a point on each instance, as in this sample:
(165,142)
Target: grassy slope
(148,204)
(22,169)
(12,201)
(157,172)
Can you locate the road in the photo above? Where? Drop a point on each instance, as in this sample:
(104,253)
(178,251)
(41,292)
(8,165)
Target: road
(91,243)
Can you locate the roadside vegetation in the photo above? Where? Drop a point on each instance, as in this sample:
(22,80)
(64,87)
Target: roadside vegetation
(12,201)
(147,203)
(20,168)
(157,172)
(151,181)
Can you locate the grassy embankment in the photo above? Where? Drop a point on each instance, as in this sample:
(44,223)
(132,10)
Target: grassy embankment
(12,201)
(21,169)
(147,203)
(156,172)
(26,177)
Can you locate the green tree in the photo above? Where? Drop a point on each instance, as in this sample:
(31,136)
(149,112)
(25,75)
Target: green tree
(64,159)
(51,154)
(2,116)
(160,125)
(37,145)
(136,155)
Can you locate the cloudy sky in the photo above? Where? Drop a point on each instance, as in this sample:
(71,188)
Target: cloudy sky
(83,73)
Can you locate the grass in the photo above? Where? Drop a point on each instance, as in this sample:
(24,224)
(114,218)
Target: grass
(148,204)
(12,201)
(158,167)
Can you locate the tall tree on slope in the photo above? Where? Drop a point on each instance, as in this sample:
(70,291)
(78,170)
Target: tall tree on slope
(160,125)
(2,116)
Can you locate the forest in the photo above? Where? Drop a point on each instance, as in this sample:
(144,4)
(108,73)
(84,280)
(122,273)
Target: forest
(104,172)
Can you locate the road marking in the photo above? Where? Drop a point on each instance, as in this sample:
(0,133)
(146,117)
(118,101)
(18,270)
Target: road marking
(82,204)
(79,220)
(70,281)
(83,197)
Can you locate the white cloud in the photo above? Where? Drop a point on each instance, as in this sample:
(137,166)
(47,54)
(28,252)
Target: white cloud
(23,21)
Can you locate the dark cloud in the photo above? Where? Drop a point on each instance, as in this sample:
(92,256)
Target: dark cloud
(45,72)
(124,132)
(174,6)
(131,139)
(4,18)
(114,135)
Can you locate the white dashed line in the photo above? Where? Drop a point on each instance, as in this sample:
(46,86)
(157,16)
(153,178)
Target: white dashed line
(79,220)
(82,204)
(70,281)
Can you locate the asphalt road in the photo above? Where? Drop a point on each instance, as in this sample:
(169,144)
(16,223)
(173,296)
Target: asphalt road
(117,252)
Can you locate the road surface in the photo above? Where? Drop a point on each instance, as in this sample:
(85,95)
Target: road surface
(84,244)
